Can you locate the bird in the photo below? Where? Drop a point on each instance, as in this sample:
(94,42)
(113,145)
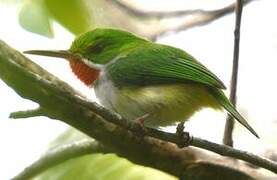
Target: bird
(141,79)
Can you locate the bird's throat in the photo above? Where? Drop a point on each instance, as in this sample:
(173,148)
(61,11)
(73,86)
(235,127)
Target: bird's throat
(85,73)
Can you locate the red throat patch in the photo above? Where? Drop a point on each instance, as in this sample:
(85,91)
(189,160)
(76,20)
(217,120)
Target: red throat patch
(85,73)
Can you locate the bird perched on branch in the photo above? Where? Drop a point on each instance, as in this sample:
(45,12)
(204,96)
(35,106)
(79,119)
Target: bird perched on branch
(138,78)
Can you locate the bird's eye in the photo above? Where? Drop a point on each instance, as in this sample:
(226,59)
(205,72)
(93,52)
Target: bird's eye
(95,48)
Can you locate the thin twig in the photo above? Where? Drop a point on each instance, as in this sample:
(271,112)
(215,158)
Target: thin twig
(200,19)
(59,155)
(229,126)
(140,13)
(204,144)
(238,154)
(187,18)
(28,113)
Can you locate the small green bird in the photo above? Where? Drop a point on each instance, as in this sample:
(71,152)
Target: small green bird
(139,78)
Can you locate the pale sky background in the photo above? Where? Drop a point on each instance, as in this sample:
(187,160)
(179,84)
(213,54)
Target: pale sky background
(23,140)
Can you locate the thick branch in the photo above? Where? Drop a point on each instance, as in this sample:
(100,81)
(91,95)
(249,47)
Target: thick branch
(229,126)
(59,155)
(56,98)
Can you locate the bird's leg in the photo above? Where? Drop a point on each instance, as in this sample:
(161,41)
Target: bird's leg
(139,124)
(180,128)
(140,120)
(186,139)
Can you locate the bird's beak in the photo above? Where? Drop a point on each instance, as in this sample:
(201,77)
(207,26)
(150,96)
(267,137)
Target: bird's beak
(53,53)
(86,73)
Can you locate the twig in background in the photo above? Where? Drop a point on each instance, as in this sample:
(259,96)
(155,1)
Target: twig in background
(139,13)
(197,17)
(229,126)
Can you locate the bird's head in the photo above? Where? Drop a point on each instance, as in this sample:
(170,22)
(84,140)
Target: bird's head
(90,51)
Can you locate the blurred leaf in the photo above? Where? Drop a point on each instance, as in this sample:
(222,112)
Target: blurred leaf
(72,14)
(101,166)
(70,135)
(10,2)
(35,18)
(96,166)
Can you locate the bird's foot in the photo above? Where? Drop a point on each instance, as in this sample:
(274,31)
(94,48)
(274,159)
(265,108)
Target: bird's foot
(184,136)
(139,124)
(180,128)
(140,120)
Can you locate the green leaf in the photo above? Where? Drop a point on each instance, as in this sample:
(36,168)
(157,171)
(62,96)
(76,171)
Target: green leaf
(74,15)
(70,135)
(101,166)
(35,18)
(96,166)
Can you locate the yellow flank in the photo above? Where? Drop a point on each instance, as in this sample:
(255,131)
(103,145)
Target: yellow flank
(165,104)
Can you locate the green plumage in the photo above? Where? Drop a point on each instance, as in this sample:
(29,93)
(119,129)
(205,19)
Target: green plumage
(152,63)
(139,77)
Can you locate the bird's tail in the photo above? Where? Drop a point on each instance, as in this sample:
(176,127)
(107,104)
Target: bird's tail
(223,100)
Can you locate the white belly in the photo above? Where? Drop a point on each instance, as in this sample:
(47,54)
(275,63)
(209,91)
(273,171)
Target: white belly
(165,104)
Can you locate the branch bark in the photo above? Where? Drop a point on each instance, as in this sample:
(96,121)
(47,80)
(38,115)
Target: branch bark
(229,126)
(150,148)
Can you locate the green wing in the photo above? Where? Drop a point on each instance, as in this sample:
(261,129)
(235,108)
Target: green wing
(159,64)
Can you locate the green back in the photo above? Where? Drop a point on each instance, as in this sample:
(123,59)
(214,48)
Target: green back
(153,63)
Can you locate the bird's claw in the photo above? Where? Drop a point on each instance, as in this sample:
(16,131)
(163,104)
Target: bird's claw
(140,120)
(139,124)
(184,136)
(180,128)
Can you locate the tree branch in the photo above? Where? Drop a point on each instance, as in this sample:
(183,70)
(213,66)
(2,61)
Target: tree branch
(238,154)
(186,18)
(55,97)
(203,18)
(28,113)
(154,14)
(59,155)
(229,126)
(171,14)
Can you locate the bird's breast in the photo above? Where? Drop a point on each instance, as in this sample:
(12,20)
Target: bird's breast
(165,104)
